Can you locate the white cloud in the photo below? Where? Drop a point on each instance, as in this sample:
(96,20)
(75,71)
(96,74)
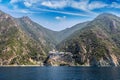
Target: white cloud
(23,11)
(16,11)
(60,18)
(86,6)
(96,5)
(60,4)
(83,4)
(115,5)
(62,12)
(55,4)
(27,4)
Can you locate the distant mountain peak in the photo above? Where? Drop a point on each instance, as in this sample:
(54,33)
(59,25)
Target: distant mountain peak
(106,15)
(26,18)
(2,13)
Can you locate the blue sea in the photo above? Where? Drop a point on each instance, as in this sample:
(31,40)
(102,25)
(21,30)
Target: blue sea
(59,73)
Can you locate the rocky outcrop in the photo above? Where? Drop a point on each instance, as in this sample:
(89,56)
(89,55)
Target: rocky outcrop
(59,59)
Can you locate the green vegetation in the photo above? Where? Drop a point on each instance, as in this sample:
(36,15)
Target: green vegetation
(24,42)
(16,46)
(95,42)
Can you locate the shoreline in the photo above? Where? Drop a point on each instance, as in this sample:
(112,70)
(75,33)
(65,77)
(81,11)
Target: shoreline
(51,66)
(20,66)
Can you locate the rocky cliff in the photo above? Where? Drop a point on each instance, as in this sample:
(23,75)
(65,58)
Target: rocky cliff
(97,44)
(59,59)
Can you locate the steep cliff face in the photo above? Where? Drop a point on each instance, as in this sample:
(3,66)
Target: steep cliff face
(97,44)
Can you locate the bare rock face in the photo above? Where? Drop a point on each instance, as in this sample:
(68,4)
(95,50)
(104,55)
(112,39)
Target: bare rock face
(113,26)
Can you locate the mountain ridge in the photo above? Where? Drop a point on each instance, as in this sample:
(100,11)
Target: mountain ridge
(92,43)
(97,44)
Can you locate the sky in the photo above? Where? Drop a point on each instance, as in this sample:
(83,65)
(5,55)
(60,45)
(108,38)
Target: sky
(59,14)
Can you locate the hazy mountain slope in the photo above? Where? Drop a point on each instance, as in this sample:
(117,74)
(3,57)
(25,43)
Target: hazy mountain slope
(45,36)
(37,32)
(16,47)
(97,44)
(61,35)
